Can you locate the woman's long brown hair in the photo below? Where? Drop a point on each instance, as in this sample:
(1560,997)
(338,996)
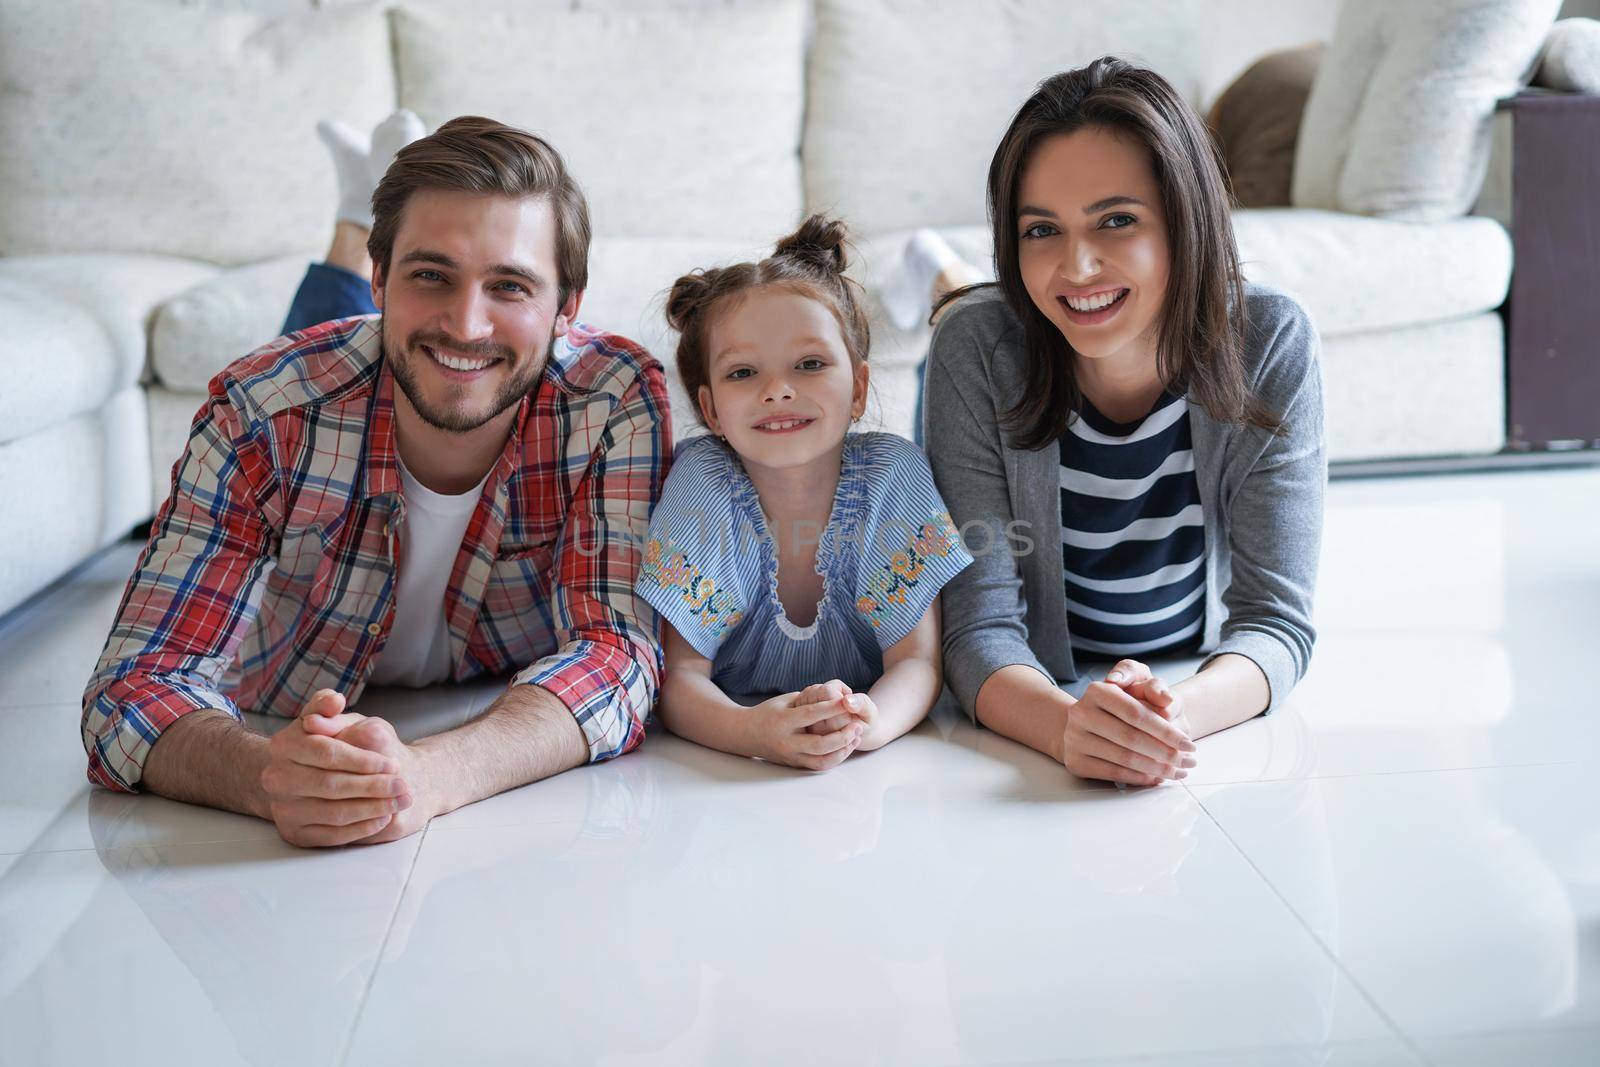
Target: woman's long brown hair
(1200,346)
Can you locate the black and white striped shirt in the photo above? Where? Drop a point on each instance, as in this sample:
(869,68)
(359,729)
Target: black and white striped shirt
(1132,533)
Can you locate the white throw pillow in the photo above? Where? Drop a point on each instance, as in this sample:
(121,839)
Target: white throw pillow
(676,123)
(150,127)
(225,318)
(1571,59)
(1398,122)
(908,98)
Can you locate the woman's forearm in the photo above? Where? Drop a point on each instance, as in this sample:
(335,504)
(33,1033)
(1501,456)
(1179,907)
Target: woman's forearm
(1019,702)
(695,708)
(1228,691)
(904,695)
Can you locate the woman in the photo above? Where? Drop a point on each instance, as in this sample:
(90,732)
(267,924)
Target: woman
(1135,433)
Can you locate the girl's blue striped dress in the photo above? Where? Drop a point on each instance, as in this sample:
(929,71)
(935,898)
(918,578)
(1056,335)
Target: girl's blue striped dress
(711,570)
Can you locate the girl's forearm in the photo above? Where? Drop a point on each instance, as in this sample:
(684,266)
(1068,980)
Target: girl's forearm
(1230,690)
(904,695)
(696,709)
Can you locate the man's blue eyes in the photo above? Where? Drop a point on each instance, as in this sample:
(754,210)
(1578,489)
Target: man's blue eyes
(433,275)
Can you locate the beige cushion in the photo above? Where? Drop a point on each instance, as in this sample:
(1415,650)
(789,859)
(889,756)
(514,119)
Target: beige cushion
(224,318)
(1256,121)
(76,328)
(154,127)
(1571,57)
(660,150)
(1398,122)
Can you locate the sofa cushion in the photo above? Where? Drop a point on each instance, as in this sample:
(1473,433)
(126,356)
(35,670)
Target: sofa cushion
(73,487)
(1571,57)
(76,329)
(658,153)
(908,98)
(1398,123)
(1256,121)
(1356,274)
(224,318)
(1432,390)
(179,129)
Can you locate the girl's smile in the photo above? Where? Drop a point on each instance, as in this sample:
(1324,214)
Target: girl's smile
(782,388)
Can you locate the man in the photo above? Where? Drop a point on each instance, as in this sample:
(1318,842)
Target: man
(454,488)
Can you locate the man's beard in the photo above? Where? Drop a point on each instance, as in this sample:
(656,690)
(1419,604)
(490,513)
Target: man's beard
(454,420)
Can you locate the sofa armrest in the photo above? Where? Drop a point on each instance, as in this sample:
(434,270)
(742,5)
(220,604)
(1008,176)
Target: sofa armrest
(1553,318)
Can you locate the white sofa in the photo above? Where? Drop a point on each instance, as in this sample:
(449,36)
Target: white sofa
(161,192)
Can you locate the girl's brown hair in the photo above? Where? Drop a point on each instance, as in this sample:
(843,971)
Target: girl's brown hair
(811,261)
(471,154)
(1200,346)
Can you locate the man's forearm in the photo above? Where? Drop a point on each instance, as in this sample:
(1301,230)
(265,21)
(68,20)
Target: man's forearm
(206,757)
(526,735)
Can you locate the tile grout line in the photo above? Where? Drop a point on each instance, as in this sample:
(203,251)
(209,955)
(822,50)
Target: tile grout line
(1405,1038)
(1380,774)
(388,932)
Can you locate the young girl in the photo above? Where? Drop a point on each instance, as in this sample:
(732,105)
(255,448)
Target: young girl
(787,555)
(1150,425)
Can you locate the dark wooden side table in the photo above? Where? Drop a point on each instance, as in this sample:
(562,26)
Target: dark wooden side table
(1553,314)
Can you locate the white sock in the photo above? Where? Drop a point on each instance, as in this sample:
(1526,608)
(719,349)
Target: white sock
(360,161)
(908,296)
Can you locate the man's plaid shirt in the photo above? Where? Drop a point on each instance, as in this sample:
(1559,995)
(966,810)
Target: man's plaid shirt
(289,495)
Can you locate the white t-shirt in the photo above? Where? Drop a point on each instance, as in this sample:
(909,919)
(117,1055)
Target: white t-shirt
(418,650)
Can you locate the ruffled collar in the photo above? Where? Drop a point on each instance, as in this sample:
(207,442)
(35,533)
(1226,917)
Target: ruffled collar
(849,505)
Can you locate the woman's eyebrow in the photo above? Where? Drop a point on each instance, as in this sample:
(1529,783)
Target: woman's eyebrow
(1098,205)
(1112,201)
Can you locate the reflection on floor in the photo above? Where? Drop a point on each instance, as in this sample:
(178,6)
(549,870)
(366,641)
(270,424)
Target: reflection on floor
(1402,866)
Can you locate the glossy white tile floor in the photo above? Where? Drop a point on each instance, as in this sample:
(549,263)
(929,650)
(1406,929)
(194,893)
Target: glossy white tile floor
(1401,867)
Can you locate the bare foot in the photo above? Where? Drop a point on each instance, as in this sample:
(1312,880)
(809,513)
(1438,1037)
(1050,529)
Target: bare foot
(349,249)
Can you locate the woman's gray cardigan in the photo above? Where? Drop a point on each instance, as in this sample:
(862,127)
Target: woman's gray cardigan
(1261,495)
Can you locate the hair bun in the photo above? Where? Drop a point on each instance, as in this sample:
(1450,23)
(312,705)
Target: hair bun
(687,298)
(819,242)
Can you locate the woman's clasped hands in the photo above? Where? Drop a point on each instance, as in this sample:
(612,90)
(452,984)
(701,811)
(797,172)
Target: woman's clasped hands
(1130,728)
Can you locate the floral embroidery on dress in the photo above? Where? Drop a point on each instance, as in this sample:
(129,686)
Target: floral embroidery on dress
(670,568)
(904,568)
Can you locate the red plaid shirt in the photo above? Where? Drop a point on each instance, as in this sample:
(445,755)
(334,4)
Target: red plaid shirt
(291,462)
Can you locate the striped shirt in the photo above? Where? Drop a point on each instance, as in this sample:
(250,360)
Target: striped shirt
(1132,533)
(270,572)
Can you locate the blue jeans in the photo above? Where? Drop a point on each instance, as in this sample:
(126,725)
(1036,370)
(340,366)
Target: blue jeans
(325,293)
(916,412)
